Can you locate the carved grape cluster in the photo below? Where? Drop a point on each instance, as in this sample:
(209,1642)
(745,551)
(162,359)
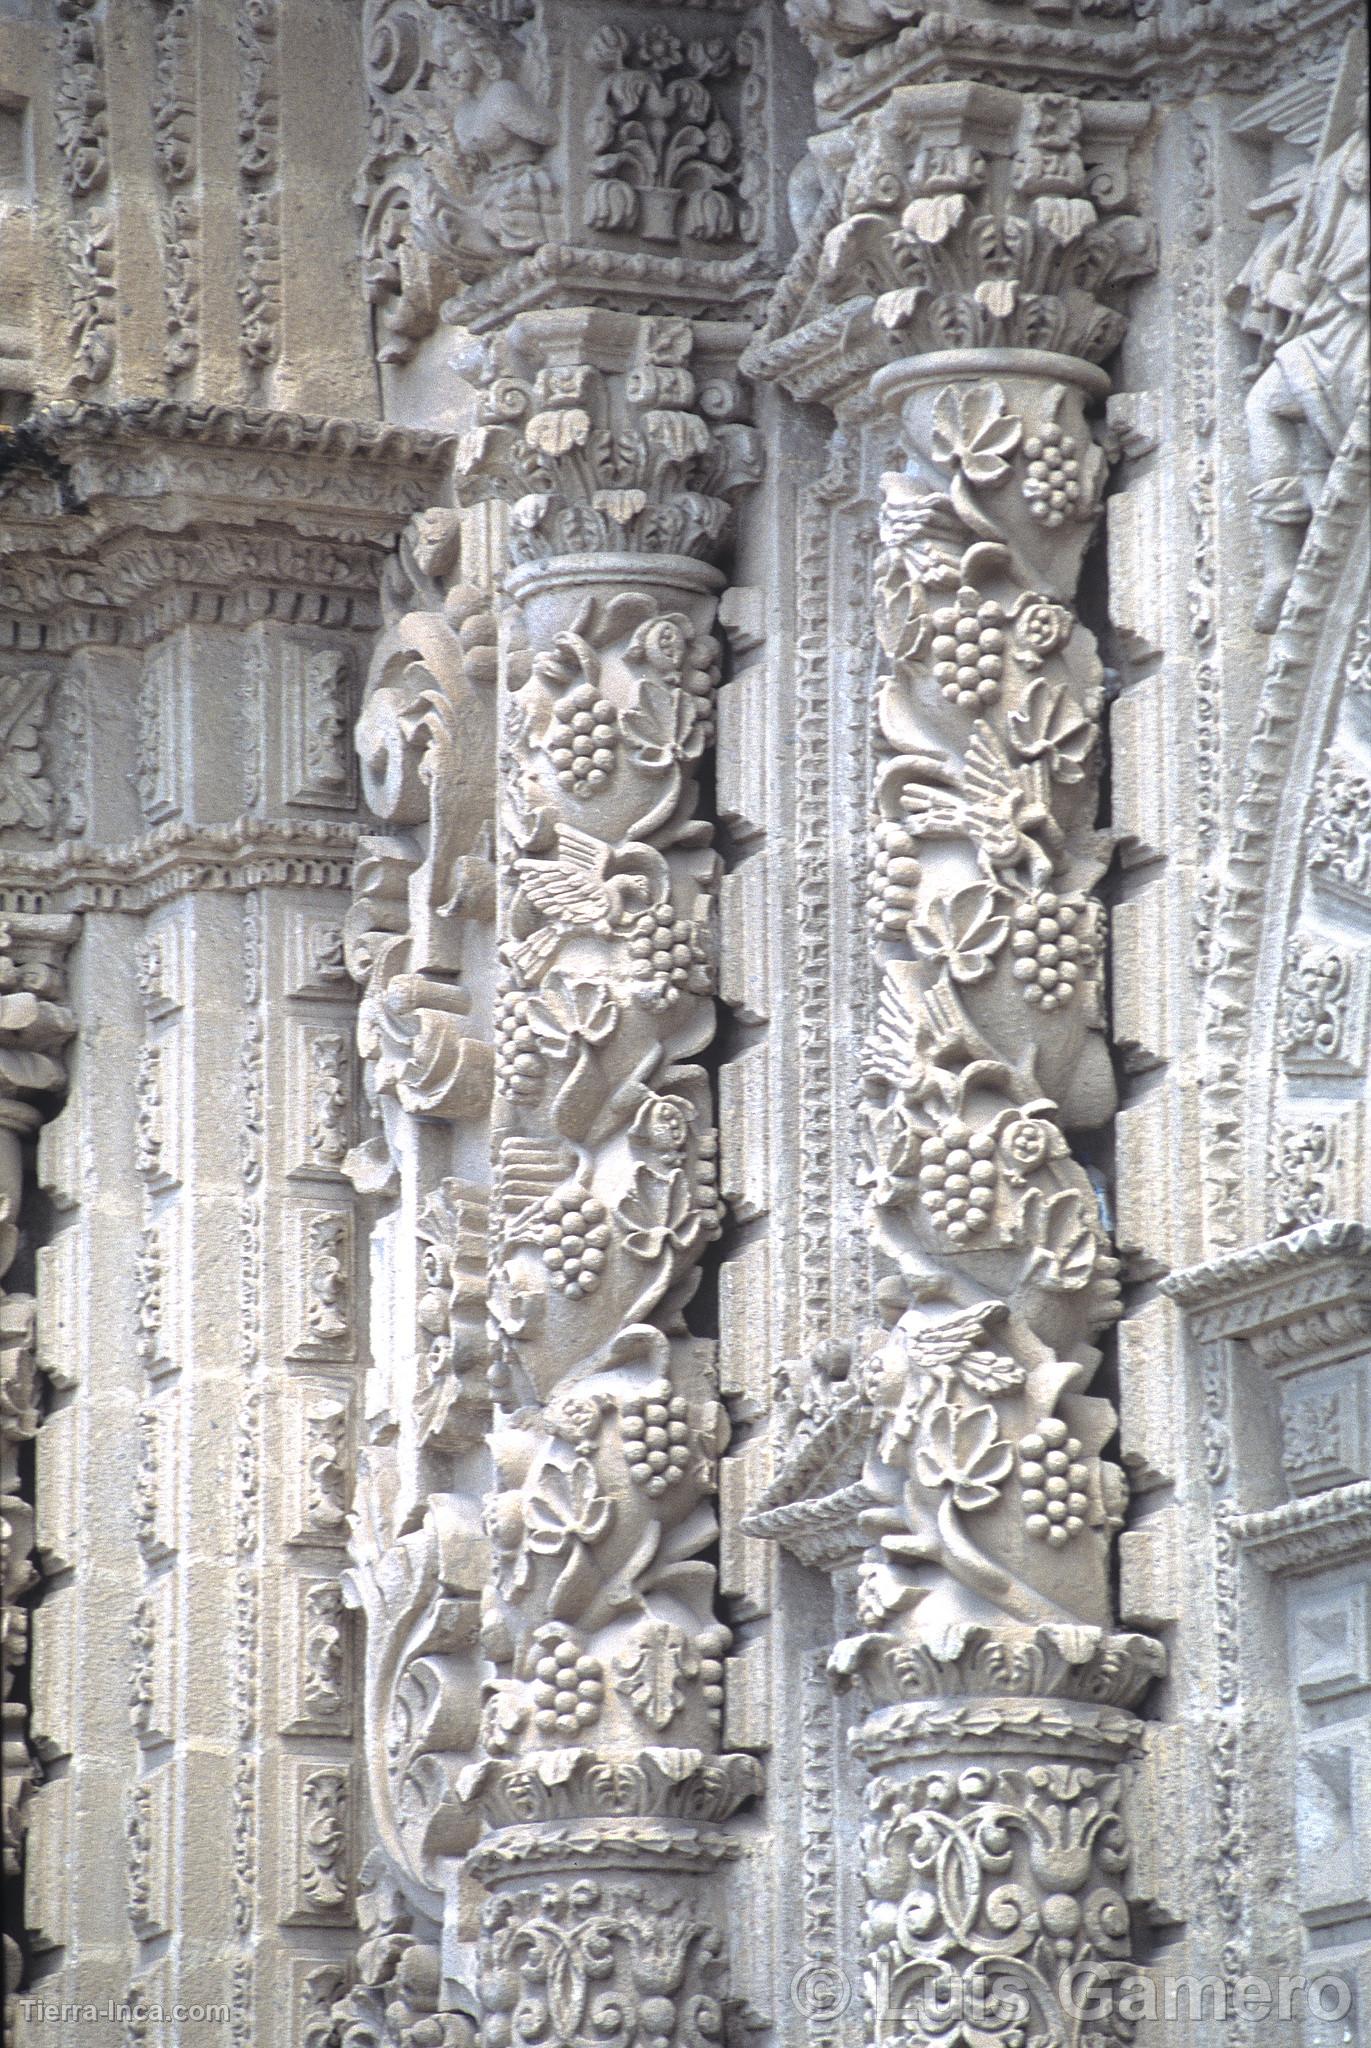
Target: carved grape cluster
(968,649)
(707,1197)
(1053,484)
(667,957)
(892,879)
(656,1433)
(712,1685)
(568,1685)
(1054,1481)
(582,740)
(957,1176)
(573,1233)
(520,1068)
(1052,947)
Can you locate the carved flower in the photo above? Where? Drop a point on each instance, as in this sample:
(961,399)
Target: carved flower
(1028,1142)
(711,57)
(1044,627)
(961,1450)
(659,50)
(662,643)
(963,932)
(655,1212)
(663,1124)
(973,433)
(608,48)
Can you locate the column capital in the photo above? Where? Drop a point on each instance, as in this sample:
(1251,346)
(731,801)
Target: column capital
(961,216)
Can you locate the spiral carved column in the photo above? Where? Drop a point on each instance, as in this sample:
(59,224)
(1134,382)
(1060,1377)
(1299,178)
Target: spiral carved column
(604,1787)
(978,243)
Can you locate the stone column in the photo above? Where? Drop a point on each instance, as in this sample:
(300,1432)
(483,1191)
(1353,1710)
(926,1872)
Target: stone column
(604,1786)
(964,290)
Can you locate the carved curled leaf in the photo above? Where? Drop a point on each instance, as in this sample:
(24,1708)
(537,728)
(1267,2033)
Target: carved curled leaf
(555,433)
(678,434)
(935,218)
(621,506)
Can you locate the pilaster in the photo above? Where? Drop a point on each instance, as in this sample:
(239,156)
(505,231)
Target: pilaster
(203,621)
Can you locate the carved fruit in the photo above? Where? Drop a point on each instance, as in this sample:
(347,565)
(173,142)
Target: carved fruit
(1052,947)
(968,649)
(957,1177)
(1054,1481)
(1053,484)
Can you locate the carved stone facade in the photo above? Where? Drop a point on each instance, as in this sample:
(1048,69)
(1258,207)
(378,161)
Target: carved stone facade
(685,876)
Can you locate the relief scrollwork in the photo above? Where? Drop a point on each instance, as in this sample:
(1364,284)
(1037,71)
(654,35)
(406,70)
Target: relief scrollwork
(420,1595)
(426,743)
(664,161)
(1302,293)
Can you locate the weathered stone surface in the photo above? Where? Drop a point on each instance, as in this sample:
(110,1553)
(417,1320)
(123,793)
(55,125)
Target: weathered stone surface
(685,873)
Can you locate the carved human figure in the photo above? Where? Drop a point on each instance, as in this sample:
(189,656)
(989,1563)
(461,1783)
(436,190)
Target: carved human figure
(1307,297)
(499,135)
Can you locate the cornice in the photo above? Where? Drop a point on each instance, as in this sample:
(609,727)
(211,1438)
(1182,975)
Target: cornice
(1158,59)
(178,860)
(1293,1302)
(1239,1275)
(1309,1535)
(121,521)
(234,426)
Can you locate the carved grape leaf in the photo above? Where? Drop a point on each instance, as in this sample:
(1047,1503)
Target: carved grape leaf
(963,931)
(664,727)
(655,1212)
(1064,1239)
(961,1450)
